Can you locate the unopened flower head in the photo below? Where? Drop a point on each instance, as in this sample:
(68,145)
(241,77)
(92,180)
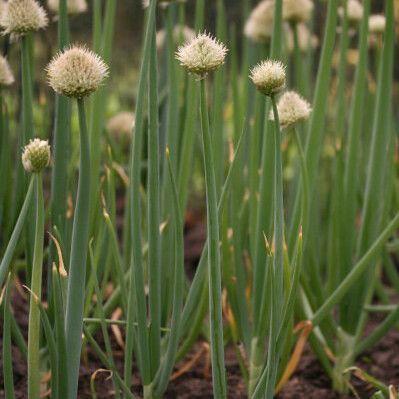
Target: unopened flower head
(377,24)
(202,54)
(292,108)
(297,10)
(121,124)
(6,76)
(355,11)
(76,72)
(36,155)
(269,77)
(259,25)
(22,16)
(73,6)
(181,34)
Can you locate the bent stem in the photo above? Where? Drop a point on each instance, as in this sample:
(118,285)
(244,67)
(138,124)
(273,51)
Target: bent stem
(36,287)
(215,301)
(77,265)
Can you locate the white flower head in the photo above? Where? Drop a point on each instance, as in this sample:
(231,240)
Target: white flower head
(377,24)
(297,10)
(355,11)
(36,155)
(202,55)
(259,25)
(269,77)
(76,72)
(121,124)
(21,16)
(291,108)
(6,76)
(73,6)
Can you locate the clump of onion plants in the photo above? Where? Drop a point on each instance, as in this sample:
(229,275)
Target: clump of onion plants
(291,157)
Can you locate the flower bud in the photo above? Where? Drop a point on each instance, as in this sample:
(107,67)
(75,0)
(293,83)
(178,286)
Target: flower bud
(76,72)
(291,108)
(6,76)
(202,54)
(269,77)
(22,16)
(73,6)
(36,155)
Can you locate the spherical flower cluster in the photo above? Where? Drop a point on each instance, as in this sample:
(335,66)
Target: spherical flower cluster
(269,77)
(259,25)
(291,108)
(6,76)
(36,156)
(297,10)
(355,11)
(181,34)
(76,72)
(121,124)
(73,6)
(22,16)
(202,54)
(377,24)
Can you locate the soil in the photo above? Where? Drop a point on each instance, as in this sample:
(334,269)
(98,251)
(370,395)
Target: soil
(308,382)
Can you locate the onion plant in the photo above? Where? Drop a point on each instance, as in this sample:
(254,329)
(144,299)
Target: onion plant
(266,135)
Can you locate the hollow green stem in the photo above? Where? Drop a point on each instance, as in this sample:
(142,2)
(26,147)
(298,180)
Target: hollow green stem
(77,264)
(36,287)
(153,214)
(9,253)
(136,301)
(215,294)
(277,288)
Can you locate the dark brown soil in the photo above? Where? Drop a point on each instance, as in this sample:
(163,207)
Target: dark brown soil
(308,382)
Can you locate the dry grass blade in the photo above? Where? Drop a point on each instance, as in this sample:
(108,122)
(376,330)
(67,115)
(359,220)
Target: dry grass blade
(306,327)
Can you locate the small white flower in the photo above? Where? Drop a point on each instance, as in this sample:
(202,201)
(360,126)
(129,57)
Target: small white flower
(259,25)
(76,72)
(355,11)
(297,10)
(121,124)
(36,155)
(202,54)
(269,77)
(377,24)
(6,76)
(291,108)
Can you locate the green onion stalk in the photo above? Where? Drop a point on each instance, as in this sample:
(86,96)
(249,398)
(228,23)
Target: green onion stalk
(88,74)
